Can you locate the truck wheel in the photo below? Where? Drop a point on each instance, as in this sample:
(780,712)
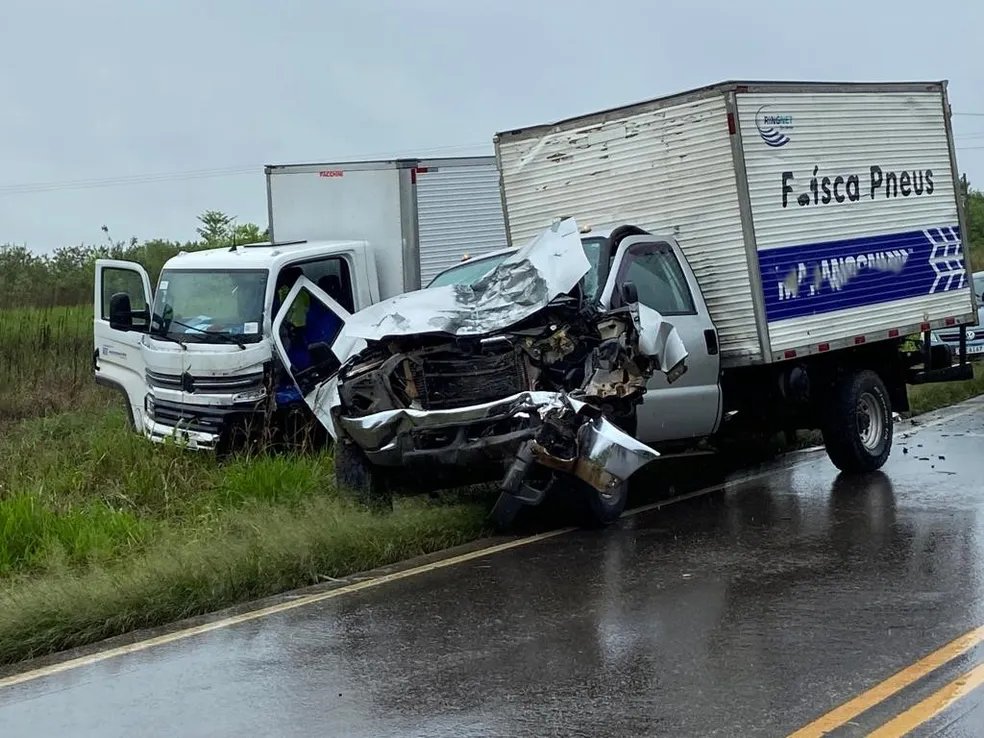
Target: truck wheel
(354,474)
(597,509)
(859,429)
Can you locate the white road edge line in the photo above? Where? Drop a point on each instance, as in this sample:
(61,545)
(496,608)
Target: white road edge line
(305,600)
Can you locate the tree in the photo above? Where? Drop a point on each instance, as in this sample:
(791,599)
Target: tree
(216,227)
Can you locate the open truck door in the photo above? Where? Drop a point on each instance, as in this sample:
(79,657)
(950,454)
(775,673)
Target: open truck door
(121,316)
(310,342)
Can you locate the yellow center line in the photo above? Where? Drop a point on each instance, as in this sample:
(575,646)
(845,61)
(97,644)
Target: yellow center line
(895,683)
(932,705)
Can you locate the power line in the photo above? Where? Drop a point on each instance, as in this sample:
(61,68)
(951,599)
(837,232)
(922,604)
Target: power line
(180,176)
(193,174)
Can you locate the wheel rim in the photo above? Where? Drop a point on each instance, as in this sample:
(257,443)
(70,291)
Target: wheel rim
(871,423)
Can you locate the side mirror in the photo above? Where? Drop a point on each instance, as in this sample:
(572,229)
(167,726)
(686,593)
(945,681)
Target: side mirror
(120,312)
(630,293)
(321,354)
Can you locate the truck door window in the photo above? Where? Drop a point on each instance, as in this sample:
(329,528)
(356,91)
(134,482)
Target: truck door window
(332,275)
(116,280)
(658,277)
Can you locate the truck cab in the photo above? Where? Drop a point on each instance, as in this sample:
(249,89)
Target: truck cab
(194,359)
(630,263)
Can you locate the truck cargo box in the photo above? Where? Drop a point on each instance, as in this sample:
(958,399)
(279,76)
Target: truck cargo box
(420,215)
(815,215)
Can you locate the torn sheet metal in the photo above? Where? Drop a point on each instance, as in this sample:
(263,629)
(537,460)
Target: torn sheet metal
(659,339)
(526,282)
(604,447)
(577,439)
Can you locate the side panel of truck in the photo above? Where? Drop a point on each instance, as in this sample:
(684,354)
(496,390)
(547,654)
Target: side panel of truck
(459,212)
(855,214)
(359,201)
(666,166)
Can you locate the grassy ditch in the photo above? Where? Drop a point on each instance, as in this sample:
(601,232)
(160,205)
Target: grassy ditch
(101,533)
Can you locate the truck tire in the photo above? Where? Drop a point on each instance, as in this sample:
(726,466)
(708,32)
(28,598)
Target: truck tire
(598,510)
(858,431)
(356,476)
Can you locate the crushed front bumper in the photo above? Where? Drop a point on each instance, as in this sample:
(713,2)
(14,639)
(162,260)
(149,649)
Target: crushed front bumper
(491,431)
(596,451)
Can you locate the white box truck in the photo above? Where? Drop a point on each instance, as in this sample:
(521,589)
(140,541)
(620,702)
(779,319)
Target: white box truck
(821,221)
(790,235)
(194,359)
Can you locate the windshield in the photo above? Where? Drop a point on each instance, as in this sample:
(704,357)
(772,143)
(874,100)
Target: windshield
(210,306)
(469,271)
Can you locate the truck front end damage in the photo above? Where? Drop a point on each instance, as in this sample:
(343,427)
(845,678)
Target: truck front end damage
(519,377)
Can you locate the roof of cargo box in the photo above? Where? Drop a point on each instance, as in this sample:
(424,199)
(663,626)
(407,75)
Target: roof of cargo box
(376,164)
(699,93)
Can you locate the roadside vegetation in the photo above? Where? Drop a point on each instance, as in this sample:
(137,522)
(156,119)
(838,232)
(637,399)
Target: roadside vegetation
(102,532)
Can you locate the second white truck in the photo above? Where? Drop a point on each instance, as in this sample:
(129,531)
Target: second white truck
(194,357)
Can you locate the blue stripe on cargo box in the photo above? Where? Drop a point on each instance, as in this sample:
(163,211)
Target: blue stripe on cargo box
(817,278)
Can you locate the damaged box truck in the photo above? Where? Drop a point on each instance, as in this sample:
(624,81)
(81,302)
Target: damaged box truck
(749,258)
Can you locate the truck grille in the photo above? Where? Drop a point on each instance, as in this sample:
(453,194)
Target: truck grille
(449,380)
(200,418)
(218,385)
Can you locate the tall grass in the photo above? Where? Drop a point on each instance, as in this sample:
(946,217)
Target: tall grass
(46,362)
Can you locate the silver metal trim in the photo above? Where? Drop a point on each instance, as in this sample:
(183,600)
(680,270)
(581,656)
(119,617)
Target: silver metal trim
(409,229)
(871,338)
(748,231)
(502,193)
(269,194)
(961,210)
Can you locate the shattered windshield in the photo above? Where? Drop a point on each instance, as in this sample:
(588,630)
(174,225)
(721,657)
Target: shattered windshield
(200,306)
(470,271)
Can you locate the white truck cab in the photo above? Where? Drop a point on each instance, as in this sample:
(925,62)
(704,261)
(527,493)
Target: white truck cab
(195,359)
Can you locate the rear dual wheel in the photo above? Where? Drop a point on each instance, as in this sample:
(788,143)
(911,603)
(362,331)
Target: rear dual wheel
(859,427)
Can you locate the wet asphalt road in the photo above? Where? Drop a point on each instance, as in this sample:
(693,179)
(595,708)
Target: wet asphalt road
(750,611)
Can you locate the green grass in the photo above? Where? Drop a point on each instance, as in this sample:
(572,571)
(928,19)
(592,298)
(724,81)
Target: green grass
(927,397)
(102,532)
(46,363)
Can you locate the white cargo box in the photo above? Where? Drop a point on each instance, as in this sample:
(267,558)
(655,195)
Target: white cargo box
(815,215)
(419,215)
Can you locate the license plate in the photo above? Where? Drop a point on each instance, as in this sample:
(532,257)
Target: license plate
(975,349)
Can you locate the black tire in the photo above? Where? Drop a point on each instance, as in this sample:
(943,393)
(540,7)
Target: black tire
(859,428)
(356,476)
(597,510)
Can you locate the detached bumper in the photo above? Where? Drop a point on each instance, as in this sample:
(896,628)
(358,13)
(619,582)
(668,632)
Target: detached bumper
(459,437)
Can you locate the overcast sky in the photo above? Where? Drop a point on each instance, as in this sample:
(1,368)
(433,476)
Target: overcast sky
(126,92)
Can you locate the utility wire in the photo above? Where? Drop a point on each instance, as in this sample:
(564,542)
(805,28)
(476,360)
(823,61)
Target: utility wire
(193,174)
(139,179)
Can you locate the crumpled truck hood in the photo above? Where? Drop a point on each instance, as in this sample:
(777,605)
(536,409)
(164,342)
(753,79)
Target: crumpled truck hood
(525,283)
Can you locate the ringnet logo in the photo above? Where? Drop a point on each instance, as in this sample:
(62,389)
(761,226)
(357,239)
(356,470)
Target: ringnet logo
(773,127)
